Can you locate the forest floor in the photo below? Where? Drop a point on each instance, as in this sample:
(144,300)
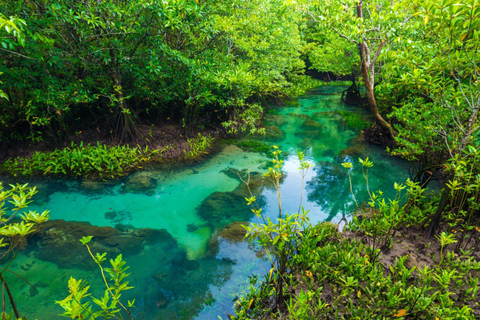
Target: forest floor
(411,242)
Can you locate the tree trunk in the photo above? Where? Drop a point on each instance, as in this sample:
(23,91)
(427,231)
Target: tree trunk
(368,73)
(438,214)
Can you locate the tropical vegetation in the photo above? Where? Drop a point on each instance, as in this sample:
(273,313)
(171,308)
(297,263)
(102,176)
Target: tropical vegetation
(115,67)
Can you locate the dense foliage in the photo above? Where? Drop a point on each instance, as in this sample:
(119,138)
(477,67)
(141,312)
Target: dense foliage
(114,64)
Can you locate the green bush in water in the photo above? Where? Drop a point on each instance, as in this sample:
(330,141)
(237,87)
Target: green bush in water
(86,161)
(353,120)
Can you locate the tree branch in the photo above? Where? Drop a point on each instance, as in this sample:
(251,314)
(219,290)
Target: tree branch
(18,54)
(344,36)
(377,54)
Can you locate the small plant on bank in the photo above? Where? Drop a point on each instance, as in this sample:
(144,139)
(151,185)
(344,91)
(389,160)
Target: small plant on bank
(198,146)
(462,211)
(84,161)
(109,306)
(14,234)
(381,217)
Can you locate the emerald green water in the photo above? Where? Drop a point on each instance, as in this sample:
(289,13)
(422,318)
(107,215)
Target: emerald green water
(189,272)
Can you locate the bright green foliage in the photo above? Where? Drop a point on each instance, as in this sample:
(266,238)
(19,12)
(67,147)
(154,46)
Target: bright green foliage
(109,64)
(198,146)
(382,217)
(329,54)
(11,26)
(438,68)
(248,121)
(370,27)
(12,201)
(302,83)
(461,212)
(85,161)
(109,306)
(17,197)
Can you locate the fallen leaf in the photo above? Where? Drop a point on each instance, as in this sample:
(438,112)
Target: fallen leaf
(400,313)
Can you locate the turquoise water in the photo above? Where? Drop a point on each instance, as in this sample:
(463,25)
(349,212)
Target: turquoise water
(197,265)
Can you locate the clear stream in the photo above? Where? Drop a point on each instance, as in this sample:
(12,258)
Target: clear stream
(198,266)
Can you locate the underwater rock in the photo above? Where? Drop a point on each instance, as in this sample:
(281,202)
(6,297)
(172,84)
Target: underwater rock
(302,116)
(43,192)
(92,185)
(57,241)
(233,232)
(353,151)
(96,186)
(275,119)
(140,183)
(120,216)
(357,147)
(274,133)
(311,125)
(333,115)
(221,208)
(308,134)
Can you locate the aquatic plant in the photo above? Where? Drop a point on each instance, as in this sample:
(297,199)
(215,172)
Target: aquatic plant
(109,306)
(254,146)
(354,120)
(14,234)
(380,218)
(84,161)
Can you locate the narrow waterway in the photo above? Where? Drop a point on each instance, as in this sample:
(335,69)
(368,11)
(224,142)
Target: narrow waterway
(193,264)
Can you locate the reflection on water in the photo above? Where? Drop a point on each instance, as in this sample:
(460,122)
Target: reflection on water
(180,230)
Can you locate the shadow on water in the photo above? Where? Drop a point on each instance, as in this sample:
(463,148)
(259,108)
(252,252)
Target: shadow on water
(180,230)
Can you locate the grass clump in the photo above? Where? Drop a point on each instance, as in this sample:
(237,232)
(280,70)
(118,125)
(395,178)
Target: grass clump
(98,161)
